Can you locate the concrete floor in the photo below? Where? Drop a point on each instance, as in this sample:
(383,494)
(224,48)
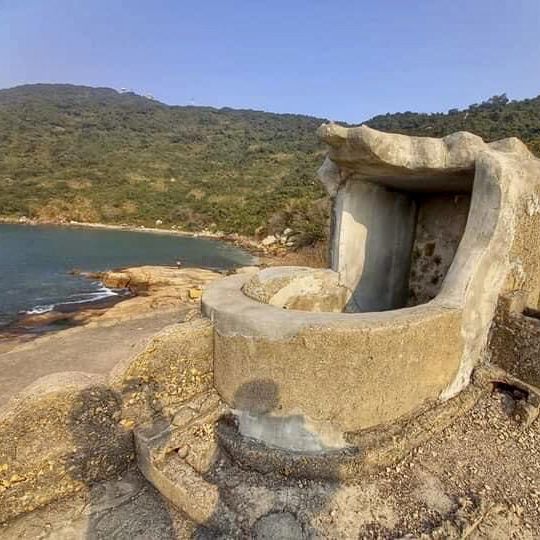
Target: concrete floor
(95,348)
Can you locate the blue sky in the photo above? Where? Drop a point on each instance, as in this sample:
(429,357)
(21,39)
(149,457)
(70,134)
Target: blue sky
(343,60)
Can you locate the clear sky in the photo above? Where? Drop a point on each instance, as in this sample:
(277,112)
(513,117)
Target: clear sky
(342,60)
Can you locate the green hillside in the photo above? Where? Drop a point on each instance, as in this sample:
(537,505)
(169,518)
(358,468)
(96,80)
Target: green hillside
(93,154)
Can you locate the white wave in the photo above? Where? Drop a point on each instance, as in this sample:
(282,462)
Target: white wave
(81,298)
(38,310)
(100,294)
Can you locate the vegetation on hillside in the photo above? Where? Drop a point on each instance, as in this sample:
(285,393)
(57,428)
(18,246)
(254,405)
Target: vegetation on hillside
(93,154)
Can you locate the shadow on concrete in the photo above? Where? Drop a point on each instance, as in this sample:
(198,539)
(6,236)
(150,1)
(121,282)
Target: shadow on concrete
(127,506)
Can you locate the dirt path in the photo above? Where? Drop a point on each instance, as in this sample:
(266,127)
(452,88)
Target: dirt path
(95,348)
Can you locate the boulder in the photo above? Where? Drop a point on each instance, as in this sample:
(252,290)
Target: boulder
(269,240)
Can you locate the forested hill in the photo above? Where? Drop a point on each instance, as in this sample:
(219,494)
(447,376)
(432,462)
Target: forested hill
(94,154)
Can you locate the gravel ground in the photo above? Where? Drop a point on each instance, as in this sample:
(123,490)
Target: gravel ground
(478,479)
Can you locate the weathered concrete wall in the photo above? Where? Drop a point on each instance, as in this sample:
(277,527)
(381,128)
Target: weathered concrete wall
(68,430)
(498,250)
(373,233)
(485,265)
(353,378)
(358,370)
(440,224)
(351,371)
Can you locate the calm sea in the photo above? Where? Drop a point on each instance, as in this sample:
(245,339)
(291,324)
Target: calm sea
(35,262)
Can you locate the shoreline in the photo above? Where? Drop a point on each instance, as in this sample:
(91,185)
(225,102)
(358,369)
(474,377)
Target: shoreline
(275,254)
(143,291)
(30,326)
(251,245)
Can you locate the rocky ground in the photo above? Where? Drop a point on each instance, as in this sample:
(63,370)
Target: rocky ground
(478,479)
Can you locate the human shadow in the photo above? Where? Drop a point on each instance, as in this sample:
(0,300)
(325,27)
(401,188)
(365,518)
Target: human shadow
(119,502)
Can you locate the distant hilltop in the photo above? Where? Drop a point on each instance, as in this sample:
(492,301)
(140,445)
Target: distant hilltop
(100,155)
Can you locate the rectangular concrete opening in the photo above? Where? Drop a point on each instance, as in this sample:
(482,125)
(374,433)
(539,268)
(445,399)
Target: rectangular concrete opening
(393,247)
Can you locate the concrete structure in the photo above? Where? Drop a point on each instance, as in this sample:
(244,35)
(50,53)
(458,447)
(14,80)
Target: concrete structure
(427,235)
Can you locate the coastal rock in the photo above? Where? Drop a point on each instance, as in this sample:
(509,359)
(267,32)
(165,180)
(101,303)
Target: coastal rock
(269,240)
(247,270)
(152,288)
(148,278)
(156,288)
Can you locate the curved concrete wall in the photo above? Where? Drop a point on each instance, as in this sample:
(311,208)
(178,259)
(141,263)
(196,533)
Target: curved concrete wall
(346,371)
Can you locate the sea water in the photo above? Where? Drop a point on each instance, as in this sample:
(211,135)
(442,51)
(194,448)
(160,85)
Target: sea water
(36,261)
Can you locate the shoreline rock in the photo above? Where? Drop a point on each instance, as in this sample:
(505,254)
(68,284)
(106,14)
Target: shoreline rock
(148,289)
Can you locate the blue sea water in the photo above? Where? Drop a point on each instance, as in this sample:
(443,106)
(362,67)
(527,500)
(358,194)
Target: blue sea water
(35,262)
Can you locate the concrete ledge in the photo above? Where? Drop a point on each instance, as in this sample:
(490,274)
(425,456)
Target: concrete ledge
(417,161)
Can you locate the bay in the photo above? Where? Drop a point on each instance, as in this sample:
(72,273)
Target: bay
(35,262)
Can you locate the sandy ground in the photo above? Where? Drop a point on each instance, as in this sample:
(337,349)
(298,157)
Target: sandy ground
(95,348)
(479,480)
